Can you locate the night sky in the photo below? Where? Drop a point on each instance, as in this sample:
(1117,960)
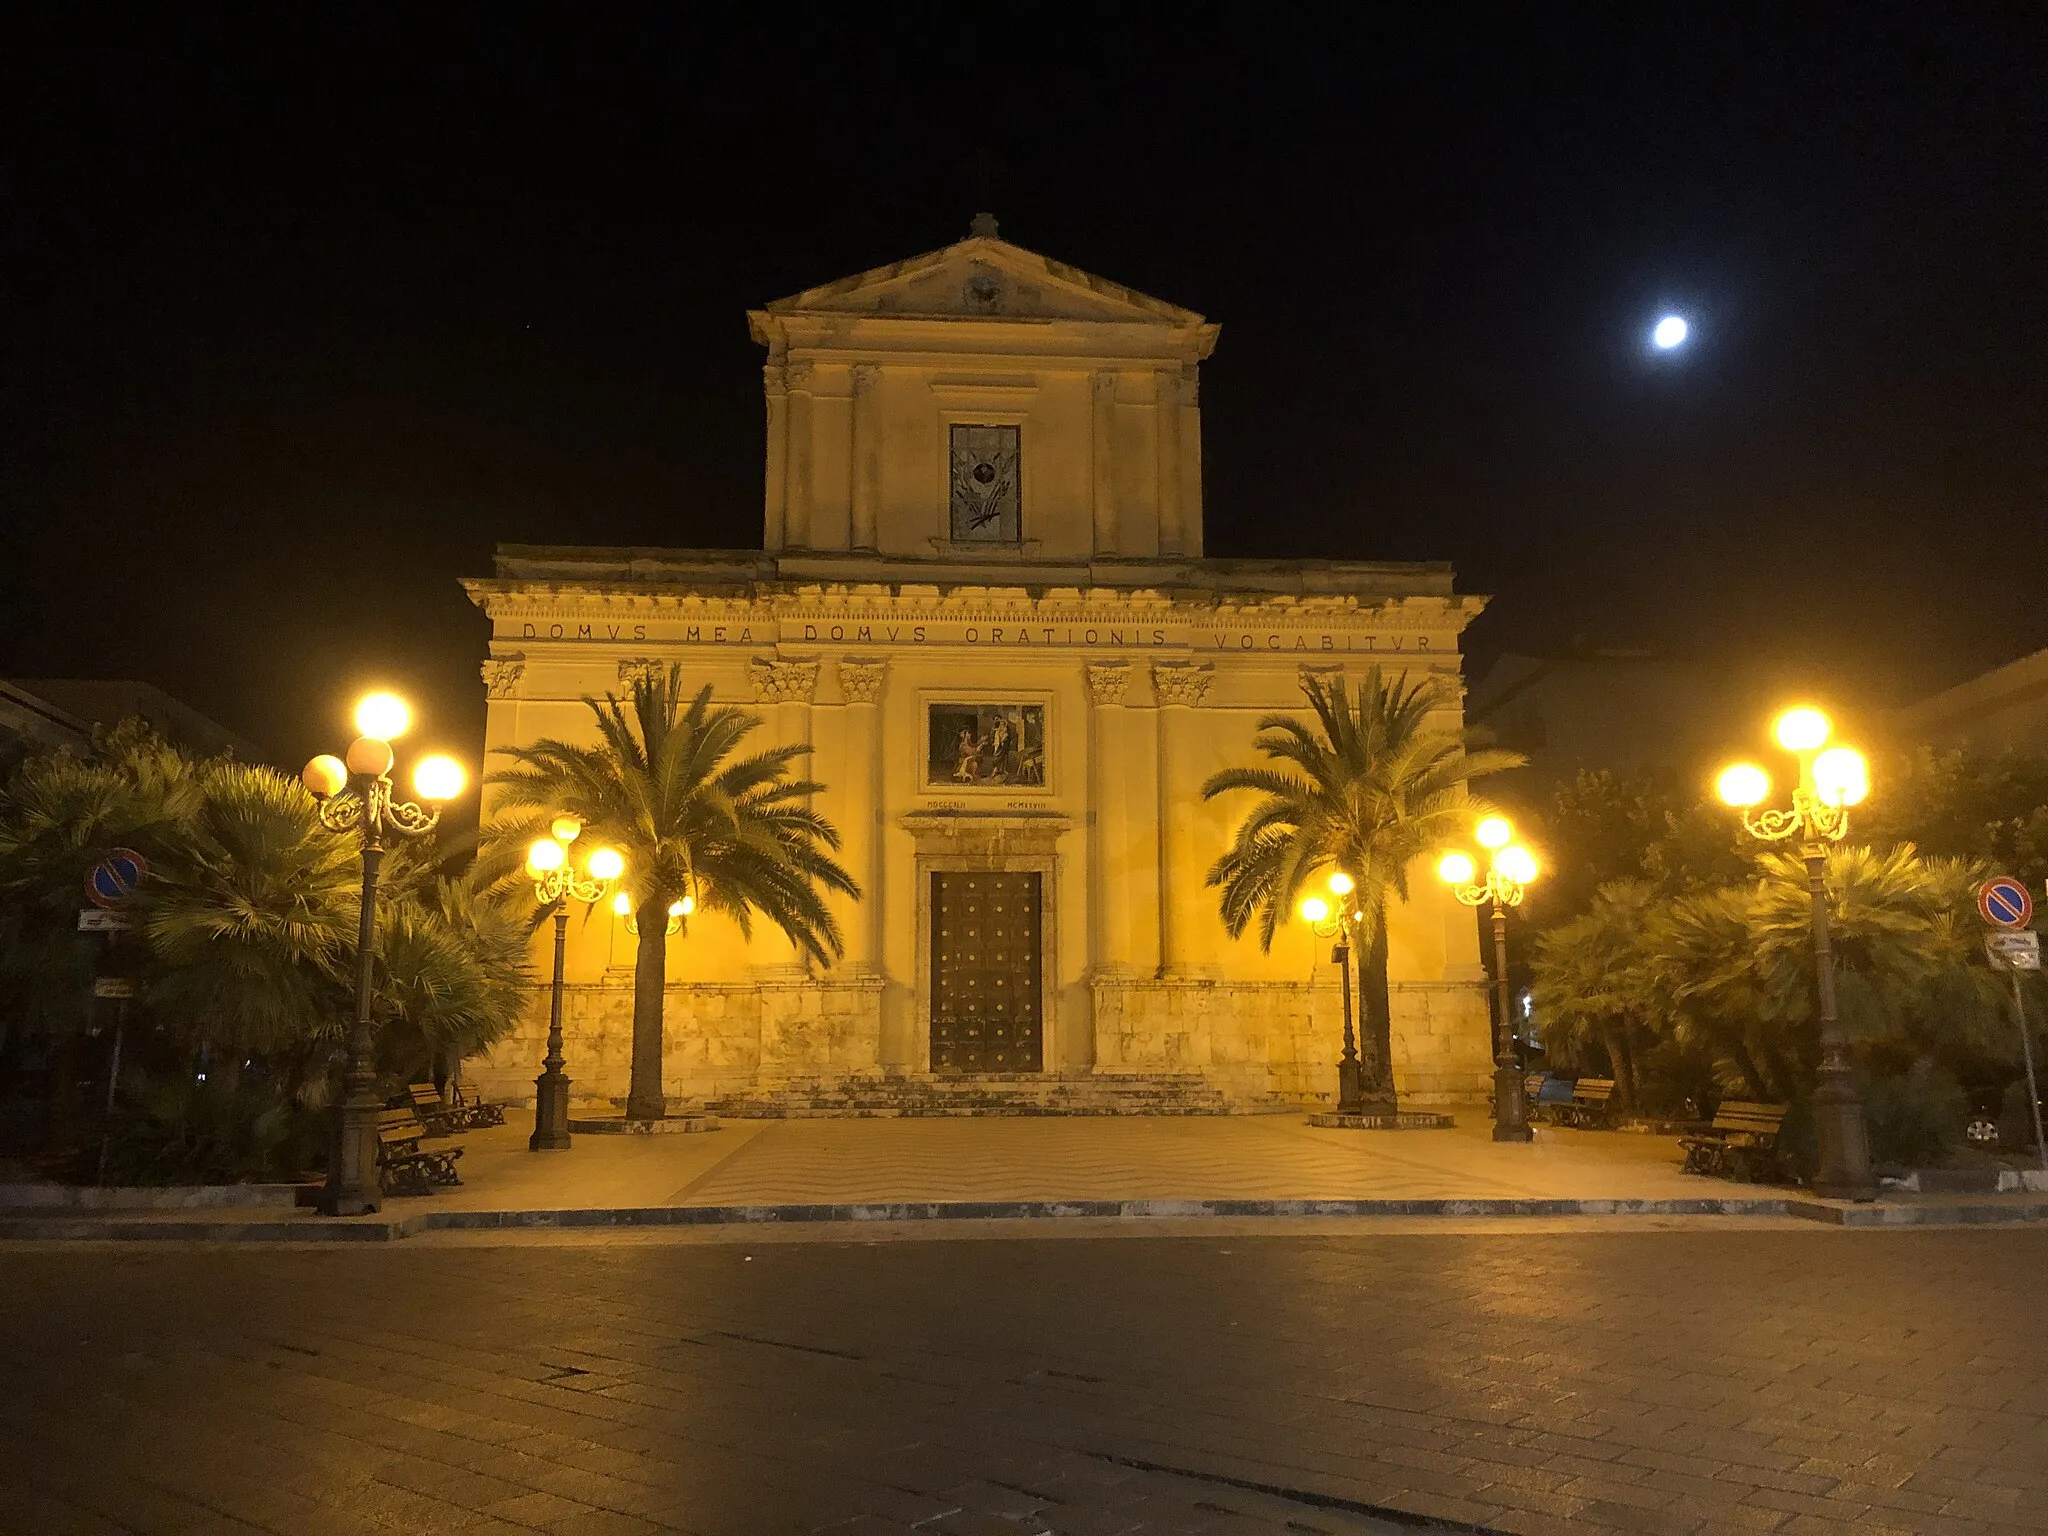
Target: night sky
(302,314)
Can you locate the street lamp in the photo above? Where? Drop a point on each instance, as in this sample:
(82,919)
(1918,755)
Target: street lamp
(1333,922)
(1507,879)
(622,904)
(354,794)
(555,882)
(1830,781)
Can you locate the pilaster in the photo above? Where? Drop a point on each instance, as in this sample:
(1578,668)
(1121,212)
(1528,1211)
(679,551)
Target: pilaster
(1108,832)
(800,459)
(1181,686)
(860,685)
(1166,414)
(1103,440)
(787,684)
(778,453)
(866,456)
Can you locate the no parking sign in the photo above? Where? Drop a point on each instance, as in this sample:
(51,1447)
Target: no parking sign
(2005,903)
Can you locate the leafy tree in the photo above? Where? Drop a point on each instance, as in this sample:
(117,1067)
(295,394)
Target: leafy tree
(1368,787)
(1958,803)
(666,785)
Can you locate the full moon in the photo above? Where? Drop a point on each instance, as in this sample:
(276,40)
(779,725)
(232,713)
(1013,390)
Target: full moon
(1669,332)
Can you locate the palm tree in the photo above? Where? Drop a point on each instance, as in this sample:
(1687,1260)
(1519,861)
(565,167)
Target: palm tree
(735,834)
(1368,788)
(249,916)
(1596,982)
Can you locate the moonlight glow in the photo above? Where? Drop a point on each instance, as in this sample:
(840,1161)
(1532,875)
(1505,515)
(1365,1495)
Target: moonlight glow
(1669,333)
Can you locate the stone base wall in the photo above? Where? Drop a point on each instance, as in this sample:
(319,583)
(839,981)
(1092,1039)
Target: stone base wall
(718,1039)
(1255,1042)
(1265,1040)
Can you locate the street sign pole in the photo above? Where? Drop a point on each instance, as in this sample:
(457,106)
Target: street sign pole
(2019,1011)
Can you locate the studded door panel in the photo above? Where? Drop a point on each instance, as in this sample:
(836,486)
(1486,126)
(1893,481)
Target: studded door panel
(985,972)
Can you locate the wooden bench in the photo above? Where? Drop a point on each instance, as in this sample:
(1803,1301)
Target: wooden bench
(1742,1143)
(1532,1089)
(1588,1106)
(1550,1094)
(403,1168)
(435,1113)
(474,1112)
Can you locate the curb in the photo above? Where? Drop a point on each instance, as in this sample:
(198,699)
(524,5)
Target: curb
(377,1229)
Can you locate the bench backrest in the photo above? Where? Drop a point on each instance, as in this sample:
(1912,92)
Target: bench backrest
(1532,1085)
(398,1125)
(1555,1090)
(426,1096)
(1758,1119)
(1592,1090)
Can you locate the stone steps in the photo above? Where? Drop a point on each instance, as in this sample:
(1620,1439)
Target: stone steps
(988,1094)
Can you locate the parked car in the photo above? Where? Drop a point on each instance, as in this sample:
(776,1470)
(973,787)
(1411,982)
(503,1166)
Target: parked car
(1999,1116)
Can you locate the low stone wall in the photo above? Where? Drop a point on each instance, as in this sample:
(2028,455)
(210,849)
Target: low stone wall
(1265,1039)
(1255,1041)
(718,1038)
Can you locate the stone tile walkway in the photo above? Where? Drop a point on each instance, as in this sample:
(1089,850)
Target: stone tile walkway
(1812,1381)
(1262,1157)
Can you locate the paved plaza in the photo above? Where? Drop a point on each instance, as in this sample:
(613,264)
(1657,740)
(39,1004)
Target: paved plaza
(1520,1378)
(1257,1157)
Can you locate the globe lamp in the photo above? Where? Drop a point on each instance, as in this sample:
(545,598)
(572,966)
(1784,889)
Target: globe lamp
(439,777)
(325,775)
(383,715)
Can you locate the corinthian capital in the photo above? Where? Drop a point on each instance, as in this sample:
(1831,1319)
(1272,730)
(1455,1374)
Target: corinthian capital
(861,681)
(783,682)
(797,375)
(634,670)
(502,675)
(864,376)
(1182,682)
(1108,681)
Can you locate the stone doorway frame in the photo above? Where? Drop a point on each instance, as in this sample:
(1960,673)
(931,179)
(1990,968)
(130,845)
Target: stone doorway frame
(1019,842)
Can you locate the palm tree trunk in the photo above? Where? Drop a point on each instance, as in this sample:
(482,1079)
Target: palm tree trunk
(644,1099)
(1613,1035)
(1376,1025)
(1745,1063)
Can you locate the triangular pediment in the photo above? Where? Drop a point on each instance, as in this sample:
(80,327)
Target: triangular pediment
(984,277)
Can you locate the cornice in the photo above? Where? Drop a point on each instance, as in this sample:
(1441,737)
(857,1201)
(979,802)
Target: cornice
(975,603)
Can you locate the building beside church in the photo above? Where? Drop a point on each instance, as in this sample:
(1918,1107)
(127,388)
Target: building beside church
(982,599)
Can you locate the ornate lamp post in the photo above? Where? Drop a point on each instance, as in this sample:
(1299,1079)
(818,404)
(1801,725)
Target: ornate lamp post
(555,883)
(1507,880)
(355,796)
(1334,922)
(1829,783)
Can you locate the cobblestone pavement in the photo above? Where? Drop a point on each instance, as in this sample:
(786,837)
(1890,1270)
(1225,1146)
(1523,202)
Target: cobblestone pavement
(1732,1380)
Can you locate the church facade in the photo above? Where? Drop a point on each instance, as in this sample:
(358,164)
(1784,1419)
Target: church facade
(982,600)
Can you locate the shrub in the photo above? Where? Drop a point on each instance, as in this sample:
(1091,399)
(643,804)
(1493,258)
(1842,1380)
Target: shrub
(185,1132)
(1916,1119)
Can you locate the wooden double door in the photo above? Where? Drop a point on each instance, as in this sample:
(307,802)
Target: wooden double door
(986,982)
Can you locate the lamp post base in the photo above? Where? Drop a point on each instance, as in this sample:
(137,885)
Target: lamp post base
(1844,1140)
(1510,1105)
(352,1188)
(550,1113)
(1350,1087)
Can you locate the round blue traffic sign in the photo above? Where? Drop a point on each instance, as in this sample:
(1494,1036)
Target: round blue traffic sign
(2005,903)
(111,881)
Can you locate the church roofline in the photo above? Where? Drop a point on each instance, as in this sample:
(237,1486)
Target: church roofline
(825,298)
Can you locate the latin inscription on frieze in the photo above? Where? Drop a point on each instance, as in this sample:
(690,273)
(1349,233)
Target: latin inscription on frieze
(1007,635)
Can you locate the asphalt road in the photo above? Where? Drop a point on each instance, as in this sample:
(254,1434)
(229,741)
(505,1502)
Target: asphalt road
(1525,1380)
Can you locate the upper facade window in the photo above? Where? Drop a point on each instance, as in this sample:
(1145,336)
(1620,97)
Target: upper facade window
(985,482)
